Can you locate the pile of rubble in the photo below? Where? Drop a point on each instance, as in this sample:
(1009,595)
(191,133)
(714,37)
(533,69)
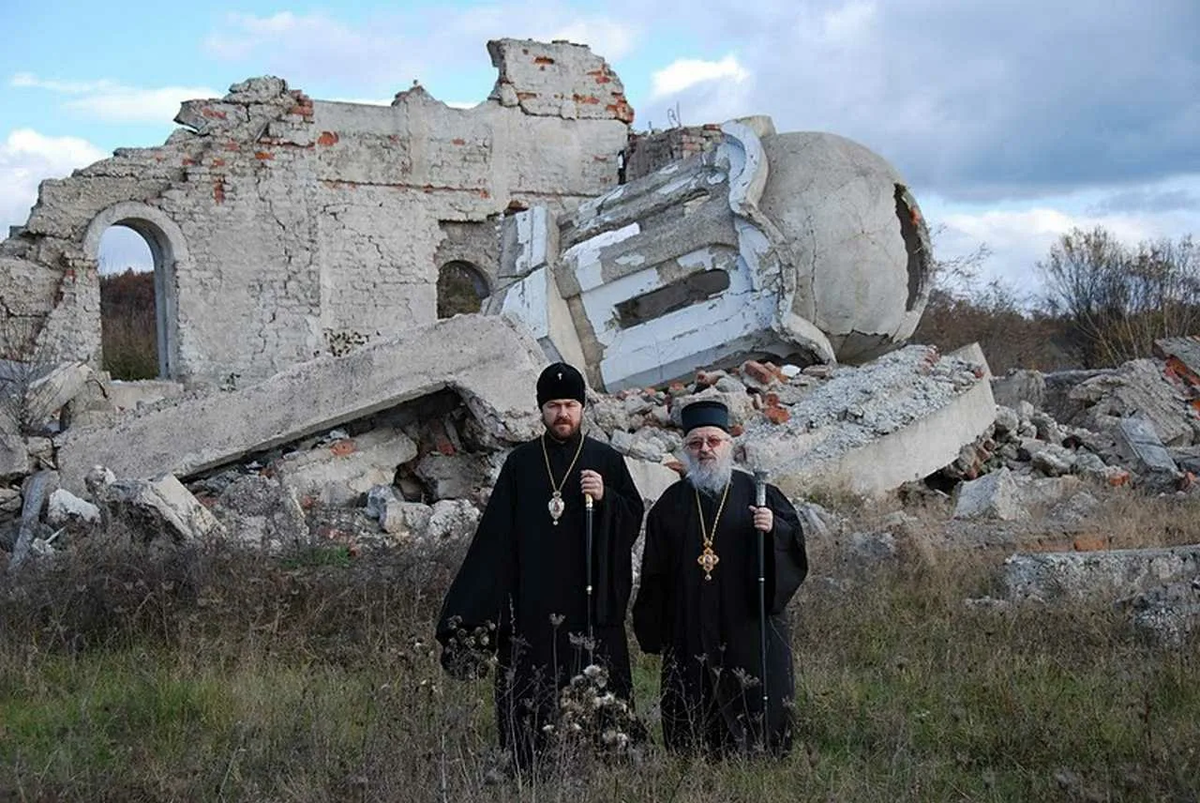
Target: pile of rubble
(380,448)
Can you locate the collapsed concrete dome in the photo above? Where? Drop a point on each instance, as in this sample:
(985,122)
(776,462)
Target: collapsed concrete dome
(805,246)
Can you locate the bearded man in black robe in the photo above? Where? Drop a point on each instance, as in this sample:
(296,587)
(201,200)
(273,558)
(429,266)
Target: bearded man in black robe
(523,591)
(698,602)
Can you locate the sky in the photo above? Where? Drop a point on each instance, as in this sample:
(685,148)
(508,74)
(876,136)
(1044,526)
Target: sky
(1012,121)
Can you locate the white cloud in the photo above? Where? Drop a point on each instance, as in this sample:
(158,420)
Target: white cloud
(609,38)
(1019,239)
(27,157)
(848,23)
(115,102)
(392,49)
(685,73)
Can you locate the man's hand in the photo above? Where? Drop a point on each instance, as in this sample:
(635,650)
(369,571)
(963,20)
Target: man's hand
(764,519)
(593,484)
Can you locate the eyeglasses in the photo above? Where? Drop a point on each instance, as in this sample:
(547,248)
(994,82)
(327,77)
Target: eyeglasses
(696,444)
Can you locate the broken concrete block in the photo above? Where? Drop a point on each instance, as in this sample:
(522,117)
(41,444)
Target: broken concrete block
(340,472)
(260,512)
(651,445)
(97,479)
(41,452)
(1168,615)
(487,360)
(91,407)
(1136,388)
(35,490)
(14,457)
(1051,459)
(867,549)
(143,393)
(56,388)
(992,496)
(1047,428)
(1111,574)
(65,506)
(462,475)
(651,478)
(1090,466)
(1020,386)
(1007,421)
(1045,492)
(452,518)
(686,265)
(10,500)
(1138,441)
(1078,507)
(150,509)
(408,519)
(378,499)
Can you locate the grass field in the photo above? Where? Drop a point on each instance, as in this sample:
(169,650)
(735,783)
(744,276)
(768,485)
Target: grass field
(223,675)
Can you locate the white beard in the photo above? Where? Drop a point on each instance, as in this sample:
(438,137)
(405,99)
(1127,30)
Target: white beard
(710,479)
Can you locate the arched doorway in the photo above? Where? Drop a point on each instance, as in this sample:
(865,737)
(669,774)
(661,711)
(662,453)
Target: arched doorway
(137,248)
(461,288)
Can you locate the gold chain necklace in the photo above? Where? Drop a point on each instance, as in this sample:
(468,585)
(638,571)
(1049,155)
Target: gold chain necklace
(708,559)
(557,506)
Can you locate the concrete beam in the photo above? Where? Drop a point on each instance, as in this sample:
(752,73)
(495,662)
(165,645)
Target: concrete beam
(492,362)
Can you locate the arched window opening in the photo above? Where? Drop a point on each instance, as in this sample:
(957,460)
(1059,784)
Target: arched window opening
(129,307)
(461,288)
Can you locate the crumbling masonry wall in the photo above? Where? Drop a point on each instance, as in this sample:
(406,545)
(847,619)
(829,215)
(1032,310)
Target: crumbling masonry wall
(285,227)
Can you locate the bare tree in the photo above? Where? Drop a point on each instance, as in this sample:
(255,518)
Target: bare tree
(22,364)
(1118,300)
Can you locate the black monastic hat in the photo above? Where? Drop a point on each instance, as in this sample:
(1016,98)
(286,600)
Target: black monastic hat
(561,381)
(705,413)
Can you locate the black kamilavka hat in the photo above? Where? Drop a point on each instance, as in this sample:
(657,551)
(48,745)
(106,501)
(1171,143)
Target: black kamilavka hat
(561,381)
(705,413)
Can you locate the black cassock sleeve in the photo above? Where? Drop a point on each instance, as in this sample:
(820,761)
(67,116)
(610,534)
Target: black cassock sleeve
(479,595)
(786,558)
(617,523)
(650,610)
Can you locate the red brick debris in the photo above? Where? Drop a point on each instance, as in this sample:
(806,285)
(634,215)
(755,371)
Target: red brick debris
(758,372)
(776,414)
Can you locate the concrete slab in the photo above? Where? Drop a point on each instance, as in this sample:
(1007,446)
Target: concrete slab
(488,360)
(868,430)
(1138,438)
(1112,574)
(338,473)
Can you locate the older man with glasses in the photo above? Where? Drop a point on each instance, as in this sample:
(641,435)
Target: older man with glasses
(701,592)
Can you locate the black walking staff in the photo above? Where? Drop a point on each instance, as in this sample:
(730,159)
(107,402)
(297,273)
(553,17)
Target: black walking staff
(760,500)
(587,530)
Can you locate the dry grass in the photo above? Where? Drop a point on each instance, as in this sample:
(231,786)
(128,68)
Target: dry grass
(128,325)
(220,675)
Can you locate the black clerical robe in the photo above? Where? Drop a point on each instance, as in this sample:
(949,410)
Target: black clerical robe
(708,630)
(523,572)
